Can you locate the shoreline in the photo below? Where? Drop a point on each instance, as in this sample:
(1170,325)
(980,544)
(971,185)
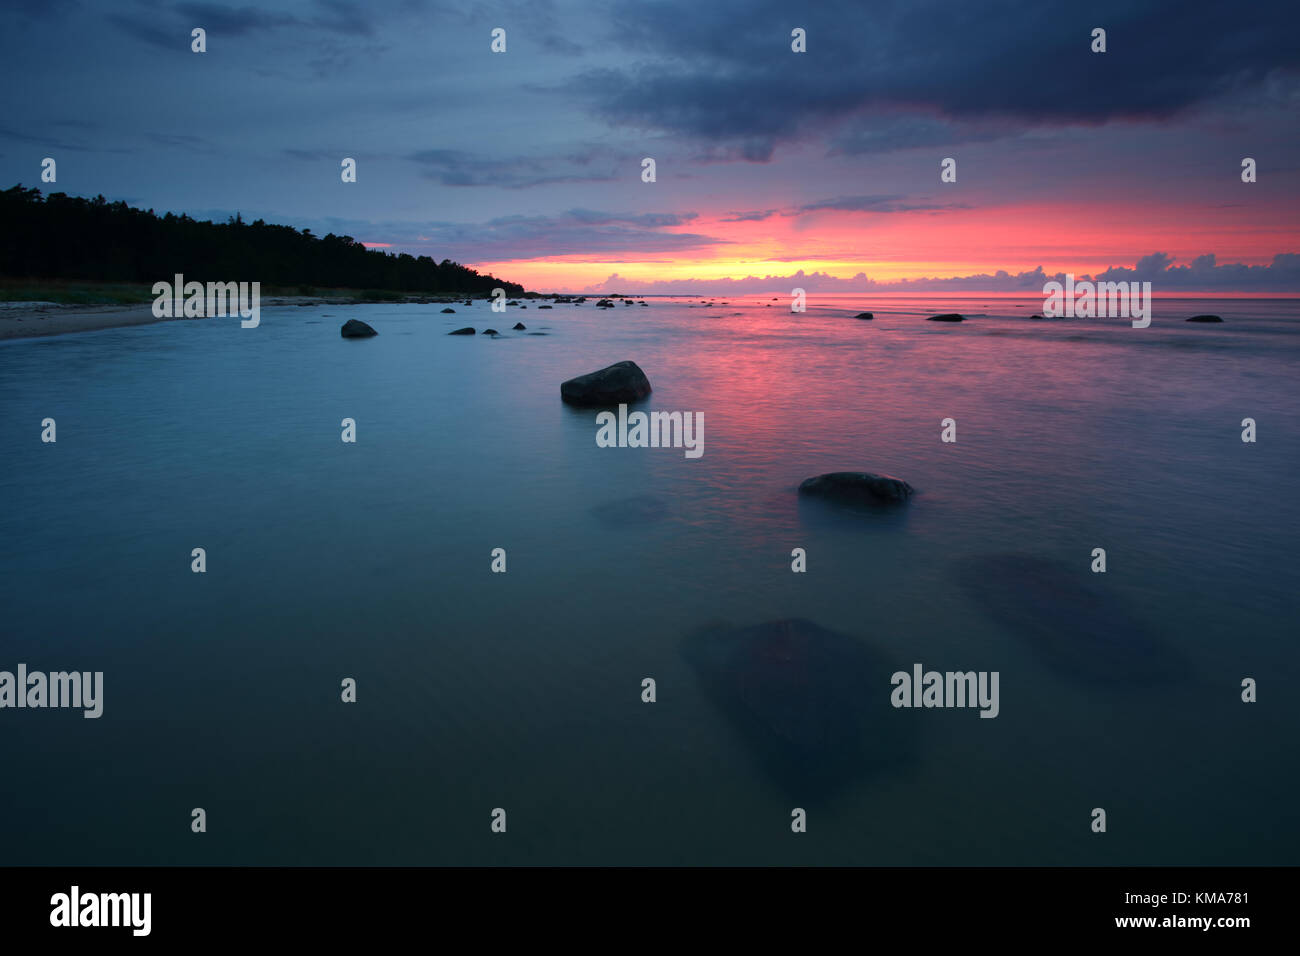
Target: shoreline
(30,320)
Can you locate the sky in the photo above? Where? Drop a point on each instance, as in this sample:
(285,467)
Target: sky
(773,168)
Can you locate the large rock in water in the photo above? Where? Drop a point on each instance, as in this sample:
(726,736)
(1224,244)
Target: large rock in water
(947,317)
(356,329)
(468,330)
(1084,630)
(613,385)
(859,487)
(864,315)
(1205,318)
(811,704)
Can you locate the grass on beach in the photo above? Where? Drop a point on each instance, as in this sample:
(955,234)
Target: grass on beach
(73,293)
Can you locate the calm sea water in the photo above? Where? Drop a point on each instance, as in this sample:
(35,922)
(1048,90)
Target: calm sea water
(522,690)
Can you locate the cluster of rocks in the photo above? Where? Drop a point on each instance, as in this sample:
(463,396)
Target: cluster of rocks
(625,382)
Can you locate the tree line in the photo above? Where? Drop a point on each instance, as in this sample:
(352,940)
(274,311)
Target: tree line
(69,237)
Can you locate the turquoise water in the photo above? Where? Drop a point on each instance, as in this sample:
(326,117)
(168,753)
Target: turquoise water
(521,690)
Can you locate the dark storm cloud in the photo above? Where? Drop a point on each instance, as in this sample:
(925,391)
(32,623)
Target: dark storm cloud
(38,9)
(233,21)
(882,133)
(756,215)
(76,146)
(170,26)
(458,168)
(724,69)
(578,231)
(586,232)
(876,204)
(183,141)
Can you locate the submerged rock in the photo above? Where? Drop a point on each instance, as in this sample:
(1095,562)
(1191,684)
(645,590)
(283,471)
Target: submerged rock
(811,704)
(858,487)
(1084,630)
(545,307)
(468,330)
(356,329)
(612,385)
(947,317)
(1205,318)
(1036,316)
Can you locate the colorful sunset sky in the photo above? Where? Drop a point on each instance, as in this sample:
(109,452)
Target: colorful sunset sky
(774,168)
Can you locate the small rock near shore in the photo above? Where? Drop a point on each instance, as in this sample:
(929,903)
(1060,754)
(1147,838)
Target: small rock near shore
(356,329)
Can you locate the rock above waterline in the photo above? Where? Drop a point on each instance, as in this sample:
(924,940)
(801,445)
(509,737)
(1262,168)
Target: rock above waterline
(445,311)
(613,385)
(947,317)
(519,326)
(857,486)
(356,329)
(864,315)
(468,330)
(1205,318)
(491,332)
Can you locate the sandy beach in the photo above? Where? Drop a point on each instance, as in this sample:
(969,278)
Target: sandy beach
(21,320)
(25,320)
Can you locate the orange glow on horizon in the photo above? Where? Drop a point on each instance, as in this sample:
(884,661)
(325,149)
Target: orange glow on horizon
(888,247)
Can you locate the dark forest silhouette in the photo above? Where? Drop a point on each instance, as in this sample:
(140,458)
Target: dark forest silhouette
(67,237)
